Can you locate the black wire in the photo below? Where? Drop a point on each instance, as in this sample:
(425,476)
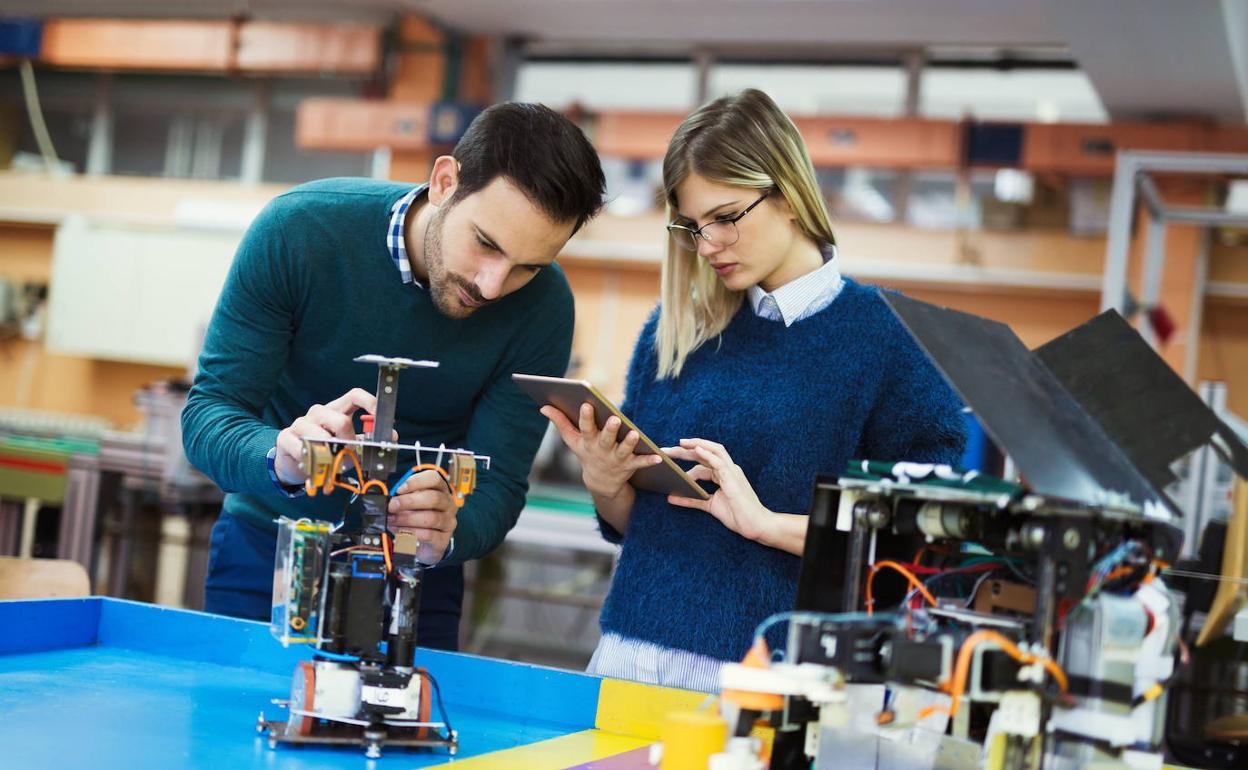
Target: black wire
(437,692)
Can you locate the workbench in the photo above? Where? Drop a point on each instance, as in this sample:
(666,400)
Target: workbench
(106,683)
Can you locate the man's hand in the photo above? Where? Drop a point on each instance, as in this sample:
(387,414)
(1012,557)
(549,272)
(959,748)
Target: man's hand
(423,506)
(332,420)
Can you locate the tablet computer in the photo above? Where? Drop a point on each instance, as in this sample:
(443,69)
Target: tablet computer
(567,396)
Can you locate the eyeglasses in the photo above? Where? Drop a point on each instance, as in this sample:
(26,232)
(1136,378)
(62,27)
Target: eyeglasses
(718,232)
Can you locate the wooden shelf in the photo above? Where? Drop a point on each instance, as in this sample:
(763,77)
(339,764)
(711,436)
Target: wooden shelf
(343,49)
(187,46)
(361,125)
(911,143)
(831,141)
(1089,150)
(1227,291)
(1009,263)
(881,143)
(636,135)
(211,46)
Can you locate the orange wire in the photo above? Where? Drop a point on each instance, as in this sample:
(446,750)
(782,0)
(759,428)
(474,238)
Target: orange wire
(1118,572)
(431,467)
(914,581)
(374,483)
(351,548)
(446,477)
(385,551)
(956,686)
(336,468)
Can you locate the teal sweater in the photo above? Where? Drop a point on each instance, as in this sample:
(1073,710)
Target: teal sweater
(313,286)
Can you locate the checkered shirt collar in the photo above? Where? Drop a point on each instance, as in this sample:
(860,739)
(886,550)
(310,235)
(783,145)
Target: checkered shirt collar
(395,239)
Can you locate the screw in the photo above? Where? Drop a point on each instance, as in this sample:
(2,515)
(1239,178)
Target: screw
(877,516)
(871,513)
(389,389)
(1071,539)
(1035,535)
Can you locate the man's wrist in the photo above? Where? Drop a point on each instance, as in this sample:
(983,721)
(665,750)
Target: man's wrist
(289,490)
(450,548)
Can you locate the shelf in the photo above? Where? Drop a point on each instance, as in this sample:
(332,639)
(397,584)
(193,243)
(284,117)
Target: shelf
(361,125)
(967,277)
(210,46)
(1227,291)
(1007,261)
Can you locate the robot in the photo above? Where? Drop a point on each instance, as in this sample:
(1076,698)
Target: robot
(1035,632)
(1035,628)
(351,592)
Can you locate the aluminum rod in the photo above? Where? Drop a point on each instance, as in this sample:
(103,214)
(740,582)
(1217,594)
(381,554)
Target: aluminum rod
(1121,209)
(1154,265)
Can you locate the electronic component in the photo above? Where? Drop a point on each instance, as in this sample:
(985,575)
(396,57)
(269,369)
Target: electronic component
(352,593)
(1032,627)
(301,557)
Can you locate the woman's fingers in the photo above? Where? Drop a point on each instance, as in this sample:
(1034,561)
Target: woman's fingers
(714,446)
(609,436)
(716,460)
(637,462)
(585,421)
(689,502)
(567,431)
(626,447)
(701,473)
(680,453)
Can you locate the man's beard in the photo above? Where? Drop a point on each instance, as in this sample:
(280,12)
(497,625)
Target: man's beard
(443,284)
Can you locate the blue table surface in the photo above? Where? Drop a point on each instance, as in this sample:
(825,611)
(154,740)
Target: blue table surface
(102,683)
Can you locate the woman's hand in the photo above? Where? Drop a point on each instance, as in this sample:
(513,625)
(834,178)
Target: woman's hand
(735,504)
(607,461)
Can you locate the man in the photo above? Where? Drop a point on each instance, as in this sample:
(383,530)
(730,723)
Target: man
(459,271)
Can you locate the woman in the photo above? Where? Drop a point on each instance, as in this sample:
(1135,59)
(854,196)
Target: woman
(763,366)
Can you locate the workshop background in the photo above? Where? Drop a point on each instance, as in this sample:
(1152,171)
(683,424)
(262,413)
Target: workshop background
(967,149)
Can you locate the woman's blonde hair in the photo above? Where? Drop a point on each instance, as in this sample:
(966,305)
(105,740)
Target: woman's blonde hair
(743,140)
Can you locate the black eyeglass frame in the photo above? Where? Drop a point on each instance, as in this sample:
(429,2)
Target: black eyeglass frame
(696,233)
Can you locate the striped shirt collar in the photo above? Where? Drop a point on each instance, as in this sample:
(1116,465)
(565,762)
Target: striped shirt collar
(395,239)
(804,296)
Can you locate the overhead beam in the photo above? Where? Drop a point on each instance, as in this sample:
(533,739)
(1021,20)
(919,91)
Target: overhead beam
(1152,59)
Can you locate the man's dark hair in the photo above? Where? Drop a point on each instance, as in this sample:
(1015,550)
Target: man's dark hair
(539,151)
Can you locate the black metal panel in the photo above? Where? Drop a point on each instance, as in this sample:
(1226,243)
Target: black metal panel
(824,556)
(1144,406)
(1059,448)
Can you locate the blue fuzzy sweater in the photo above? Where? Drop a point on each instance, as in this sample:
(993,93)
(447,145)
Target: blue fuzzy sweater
(788,403)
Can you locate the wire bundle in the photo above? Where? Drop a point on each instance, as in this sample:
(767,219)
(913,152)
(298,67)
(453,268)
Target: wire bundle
(1130,559)
(956,684)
